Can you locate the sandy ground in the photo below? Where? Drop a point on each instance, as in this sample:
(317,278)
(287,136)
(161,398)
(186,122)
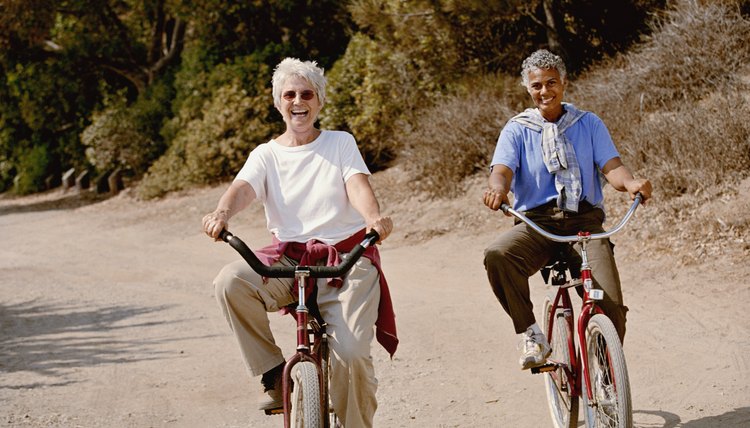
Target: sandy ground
(108,320)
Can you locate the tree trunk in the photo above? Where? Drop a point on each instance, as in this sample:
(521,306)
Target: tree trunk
(553,24)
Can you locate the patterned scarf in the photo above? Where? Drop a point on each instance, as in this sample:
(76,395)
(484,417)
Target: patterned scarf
(559,156)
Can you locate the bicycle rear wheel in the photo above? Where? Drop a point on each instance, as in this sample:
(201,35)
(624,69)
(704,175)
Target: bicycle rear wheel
(563,404)
(306,396)
(610,405)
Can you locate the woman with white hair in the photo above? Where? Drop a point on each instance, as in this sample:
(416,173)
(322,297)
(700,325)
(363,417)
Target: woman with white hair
(315,190)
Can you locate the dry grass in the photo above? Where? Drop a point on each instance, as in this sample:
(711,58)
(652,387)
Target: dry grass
(456,138)
(676,105)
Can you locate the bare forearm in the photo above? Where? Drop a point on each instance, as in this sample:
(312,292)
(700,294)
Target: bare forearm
(619,176)
(363,200)
(237,197)
(498,187)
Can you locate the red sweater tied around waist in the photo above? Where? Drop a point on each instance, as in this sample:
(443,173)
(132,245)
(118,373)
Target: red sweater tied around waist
(312,252)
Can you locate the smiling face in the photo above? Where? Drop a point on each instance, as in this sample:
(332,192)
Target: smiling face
(298,112)
(547,88)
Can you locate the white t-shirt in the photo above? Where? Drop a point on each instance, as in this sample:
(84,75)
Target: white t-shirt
(303,188)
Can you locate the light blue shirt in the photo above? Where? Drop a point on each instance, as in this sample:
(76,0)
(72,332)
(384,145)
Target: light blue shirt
(520,149)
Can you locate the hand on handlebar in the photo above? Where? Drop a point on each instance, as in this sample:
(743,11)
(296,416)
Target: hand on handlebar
(639,185)
(214,223)
(383,226)
(495,199)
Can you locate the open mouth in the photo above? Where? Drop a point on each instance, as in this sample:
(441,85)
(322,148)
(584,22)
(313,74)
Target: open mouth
(300,113)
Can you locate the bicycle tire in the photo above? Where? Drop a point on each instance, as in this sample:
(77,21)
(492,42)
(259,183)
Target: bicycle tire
(306,396)
(563,404)
(611,406)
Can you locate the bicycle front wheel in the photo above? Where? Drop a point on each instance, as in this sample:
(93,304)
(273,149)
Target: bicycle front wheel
(306,396)
(610,405)
(563,404)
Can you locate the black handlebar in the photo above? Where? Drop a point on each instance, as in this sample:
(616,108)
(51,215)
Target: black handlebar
(288,271)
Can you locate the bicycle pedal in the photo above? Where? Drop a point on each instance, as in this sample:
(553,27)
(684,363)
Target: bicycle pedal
(543,368)
(277,411)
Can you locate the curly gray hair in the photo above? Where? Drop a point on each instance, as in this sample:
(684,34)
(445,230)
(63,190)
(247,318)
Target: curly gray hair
(544,60)
(308,70)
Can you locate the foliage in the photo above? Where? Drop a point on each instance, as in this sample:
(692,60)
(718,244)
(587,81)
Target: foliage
(423,80)
(308,29)
(31,170)
(214,145)
(388,73)
(407,55)
(45,103)
(673,105)
(117,138)
(456,138)
(63,59)
(360,101)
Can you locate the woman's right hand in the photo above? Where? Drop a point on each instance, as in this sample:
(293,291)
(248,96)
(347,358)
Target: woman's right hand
(214,223)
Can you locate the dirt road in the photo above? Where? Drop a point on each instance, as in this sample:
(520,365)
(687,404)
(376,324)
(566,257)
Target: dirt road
(108,320)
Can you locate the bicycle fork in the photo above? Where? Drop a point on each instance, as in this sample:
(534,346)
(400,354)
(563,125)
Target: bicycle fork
(303,344)
(590,297)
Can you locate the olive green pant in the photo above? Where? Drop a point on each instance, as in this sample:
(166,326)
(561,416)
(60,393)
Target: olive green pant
(520,252)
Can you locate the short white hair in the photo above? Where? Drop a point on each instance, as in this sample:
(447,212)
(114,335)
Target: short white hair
(541,60)
(293,67)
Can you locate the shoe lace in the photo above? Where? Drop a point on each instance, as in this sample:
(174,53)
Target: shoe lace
(529,344)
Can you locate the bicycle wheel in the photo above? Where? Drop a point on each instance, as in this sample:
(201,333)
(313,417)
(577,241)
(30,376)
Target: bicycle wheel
(610,405)
(306,396)
(563,404)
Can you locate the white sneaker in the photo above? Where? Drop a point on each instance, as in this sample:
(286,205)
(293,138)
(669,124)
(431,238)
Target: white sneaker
(535,350)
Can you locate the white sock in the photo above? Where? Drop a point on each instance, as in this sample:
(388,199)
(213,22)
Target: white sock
(535,328)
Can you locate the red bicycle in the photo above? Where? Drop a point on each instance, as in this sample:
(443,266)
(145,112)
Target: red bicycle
(598,374)
(305,380)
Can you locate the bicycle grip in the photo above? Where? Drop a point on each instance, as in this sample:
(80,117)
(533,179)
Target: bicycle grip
(371,238)
(224,235)
(504,207)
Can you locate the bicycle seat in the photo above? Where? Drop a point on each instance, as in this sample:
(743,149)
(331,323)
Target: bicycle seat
(564,260)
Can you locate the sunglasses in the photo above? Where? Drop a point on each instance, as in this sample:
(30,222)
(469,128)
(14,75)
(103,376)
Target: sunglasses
(306,95)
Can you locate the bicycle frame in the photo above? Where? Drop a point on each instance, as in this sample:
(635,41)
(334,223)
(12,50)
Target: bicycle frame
(590,295)
(588,309)
(303,346)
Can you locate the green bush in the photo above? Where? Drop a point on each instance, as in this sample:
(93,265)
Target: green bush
(359,102)
(215,146)
(32,167)
(116,138)
(224,114)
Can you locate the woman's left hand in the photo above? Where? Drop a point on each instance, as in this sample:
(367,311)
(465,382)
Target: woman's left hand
(382,225)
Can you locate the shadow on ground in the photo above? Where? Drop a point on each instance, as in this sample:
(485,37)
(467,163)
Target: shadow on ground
(52,340)
(736,418)
(49,201)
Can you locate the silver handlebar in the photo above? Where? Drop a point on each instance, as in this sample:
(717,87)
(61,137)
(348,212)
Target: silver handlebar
(576,238)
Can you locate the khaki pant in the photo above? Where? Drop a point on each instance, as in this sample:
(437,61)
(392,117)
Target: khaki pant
(520,252)
(349,311)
